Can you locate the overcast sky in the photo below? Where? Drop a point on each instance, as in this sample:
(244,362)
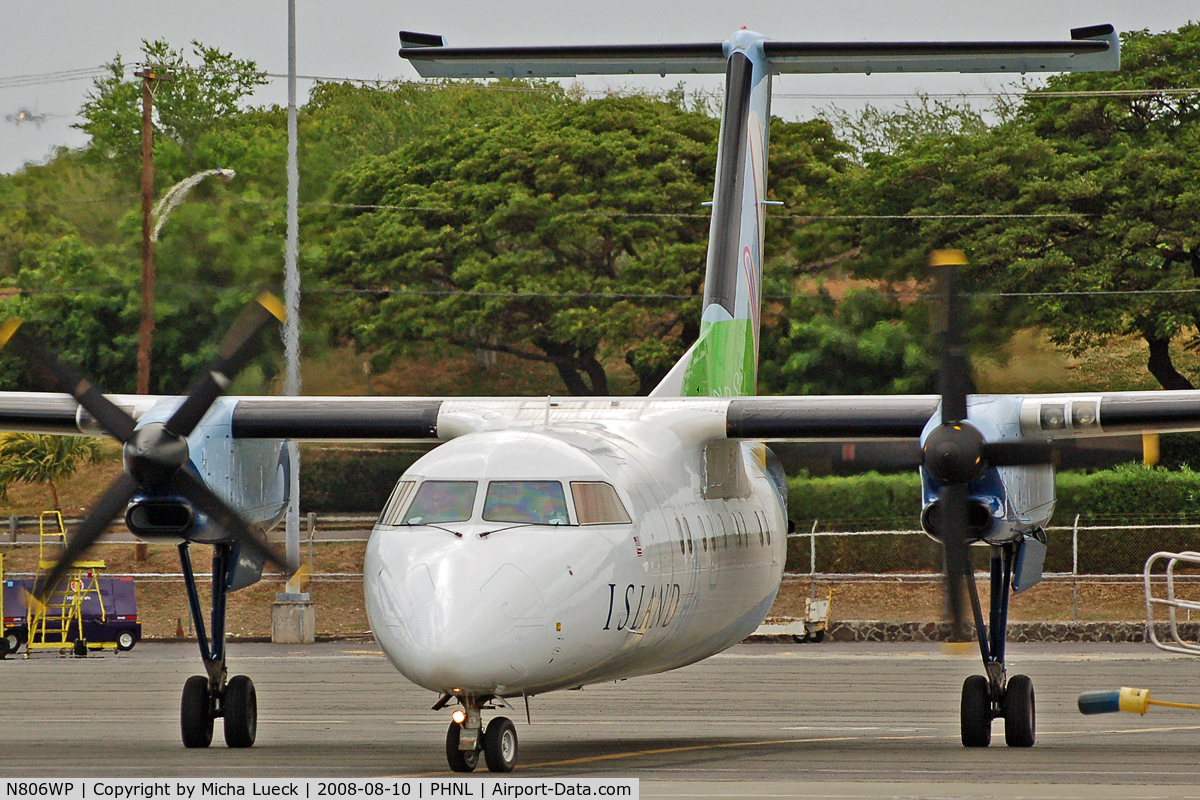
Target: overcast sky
(358,39)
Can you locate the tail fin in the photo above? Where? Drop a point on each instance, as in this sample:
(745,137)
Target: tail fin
(724,360)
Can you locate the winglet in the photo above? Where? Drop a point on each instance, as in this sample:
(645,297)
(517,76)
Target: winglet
(8,329)
(410,39)
(267,300)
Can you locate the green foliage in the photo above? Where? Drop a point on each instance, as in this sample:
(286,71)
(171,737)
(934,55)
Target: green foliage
(864,344)
(191,100)
(1119,171)
(1128,495)
(560,203)
(543,218)
(336,482)
(36,458)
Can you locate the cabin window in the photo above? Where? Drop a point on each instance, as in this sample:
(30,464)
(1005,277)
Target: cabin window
(688,531)
(758,521)
(597,503)
(724,530)
(682,546)
(531,502)
(395,504)
(442,501)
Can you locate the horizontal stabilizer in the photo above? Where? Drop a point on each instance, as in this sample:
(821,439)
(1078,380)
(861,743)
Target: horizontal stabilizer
(1092,49)
(565,62)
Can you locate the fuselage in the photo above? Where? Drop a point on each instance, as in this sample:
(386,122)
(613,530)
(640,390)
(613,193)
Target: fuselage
(595,590)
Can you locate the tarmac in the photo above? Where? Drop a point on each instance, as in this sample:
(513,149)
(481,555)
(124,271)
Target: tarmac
(761,720)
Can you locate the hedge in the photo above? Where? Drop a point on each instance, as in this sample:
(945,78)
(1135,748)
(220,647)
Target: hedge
(1127,495)
(354,481)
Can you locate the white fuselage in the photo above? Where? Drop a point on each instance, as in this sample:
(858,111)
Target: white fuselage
(486,608)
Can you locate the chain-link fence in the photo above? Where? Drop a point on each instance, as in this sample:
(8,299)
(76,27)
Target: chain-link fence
(1093,568)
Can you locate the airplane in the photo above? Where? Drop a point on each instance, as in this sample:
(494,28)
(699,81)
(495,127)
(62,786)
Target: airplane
(27,115)
(551,543)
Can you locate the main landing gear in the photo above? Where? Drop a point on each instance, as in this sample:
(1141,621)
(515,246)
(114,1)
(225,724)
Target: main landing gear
(466,738)
(206,697)
(994,696)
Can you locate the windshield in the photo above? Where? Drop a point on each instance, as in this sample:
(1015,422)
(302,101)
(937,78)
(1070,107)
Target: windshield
(534,502)
(442,501)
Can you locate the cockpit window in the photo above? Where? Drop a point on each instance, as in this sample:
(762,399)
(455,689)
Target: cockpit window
(395,504)
(442,501)
(597,503)
(533,502)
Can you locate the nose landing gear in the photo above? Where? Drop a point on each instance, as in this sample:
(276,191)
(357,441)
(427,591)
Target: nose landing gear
(466,738)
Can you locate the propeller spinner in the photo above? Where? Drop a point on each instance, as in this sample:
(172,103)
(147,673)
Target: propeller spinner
(156,455)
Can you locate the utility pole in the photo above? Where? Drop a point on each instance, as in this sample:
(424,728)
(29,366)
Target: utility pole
(149,77)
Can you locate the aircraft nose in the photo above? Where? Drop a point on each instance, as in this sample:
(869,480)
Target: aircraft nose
(457,622)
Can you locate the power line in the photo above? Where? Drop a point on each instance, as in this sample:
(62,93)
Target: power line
(62,76)
(84,73)
(599,213)
(383,292)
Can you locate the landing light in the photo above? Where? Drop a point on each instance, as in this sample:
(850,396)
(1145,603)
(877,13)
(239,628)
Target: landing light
(459,716)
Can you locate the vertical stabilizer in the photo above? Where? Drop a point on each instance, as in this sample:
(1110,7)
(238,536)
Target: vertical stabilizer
(724,361)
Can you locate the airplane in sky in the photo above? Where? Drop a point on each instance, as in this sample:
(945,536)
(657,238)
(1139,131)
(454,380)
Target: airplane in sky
(24,115)
(550,543)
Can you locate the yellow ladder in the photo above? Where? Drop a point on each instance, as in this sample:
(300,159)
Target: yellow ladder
(52,622)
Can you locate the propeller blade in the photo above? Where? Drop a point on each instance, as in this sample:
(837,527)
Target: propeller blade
(954,369)
(952,508)
(110,505)
(1014,454)
(205,500)
(54,376)
(234,352)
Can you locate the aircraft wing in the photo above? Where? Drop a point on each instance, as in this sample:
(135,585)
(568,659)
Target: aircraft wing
(793,418)
(1091,49)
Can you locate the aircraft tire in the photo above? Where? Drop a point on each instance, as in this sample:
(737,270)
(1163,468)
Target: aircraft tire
(500,745)
(241,712)
(1019,713)
(975,712)
(195,721)
(459,760)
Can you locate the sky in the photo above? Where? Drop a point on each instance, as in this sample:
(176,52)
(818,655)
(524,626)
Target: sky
(358,39)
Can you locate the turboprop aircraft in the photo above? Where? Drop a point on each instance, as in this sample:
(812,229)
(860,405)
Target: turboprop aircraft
(551,543)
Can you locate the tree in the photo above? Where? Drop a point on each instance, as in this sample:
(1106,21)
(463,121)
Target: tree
(38,458)
(863,344)
(523,235)
(573,234)
(194,101)
(1115,176)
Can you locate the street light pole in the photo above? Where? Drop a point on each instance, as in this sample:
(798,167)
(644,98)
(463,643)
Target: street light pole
(293,617)
(291,296)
